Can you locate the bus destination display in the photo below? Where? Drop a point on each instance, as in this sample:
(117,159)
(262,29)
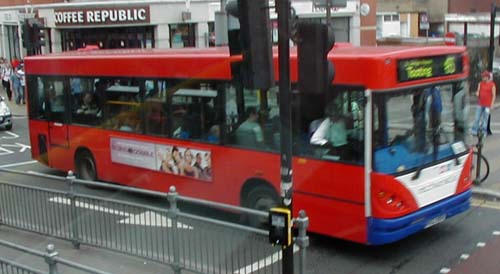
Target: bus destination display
(428,67)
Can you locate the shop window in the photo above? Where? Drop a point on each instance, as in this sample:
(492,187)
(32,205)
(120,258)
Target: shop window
(108,38)
(211,34)
(182,35)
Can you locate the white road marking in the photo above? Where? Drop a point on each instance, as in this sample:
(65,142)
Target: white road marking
(18,145)
(444,270)
(66,201)
(4,151)
(464,256)
(496,232)
(147,218)
(481,244)
(12,135)
(150,218)
(18,164)
(269,260)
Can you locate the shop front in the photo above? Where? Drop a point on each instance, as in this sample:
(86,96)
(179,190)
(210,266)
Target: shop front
(105,27)
(10,35)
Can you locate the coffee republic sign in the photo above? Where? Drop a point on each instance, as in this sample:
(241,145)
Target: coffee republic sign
(102,16)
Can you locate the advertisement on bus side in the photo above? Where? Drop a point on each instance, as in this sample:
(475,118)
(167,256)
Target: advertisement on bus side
(181,161)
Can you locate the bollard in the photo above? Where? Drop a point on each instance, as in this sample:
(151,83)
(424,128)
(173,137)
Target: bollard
(172,215)
(70,179)
(302,239)
(50,259)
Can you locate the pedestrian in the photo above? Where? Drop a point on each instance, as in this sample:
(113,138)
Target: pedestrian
(15,81)
(22,79)
(486,92)
(6,74)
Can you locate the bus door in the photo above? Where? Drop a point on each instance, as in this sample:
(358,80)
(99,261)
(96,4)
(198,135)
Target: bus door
(57,104)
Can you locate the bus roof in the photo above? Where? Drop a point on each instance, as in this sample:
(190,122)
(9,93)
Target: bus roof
(370,67)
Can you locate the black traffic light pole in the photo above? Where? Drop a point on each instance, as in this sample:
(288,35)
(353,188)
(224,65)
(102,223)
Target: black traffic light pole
(492,36)
(491,51)
(283,11)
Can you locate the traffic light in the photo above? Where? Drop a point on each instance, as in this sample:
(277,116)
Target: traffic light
(315,71)
(26,35)
(257,70)
(38,34)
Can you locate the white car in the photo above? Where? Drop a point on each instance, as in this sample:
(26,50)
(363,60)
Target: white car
(5,115)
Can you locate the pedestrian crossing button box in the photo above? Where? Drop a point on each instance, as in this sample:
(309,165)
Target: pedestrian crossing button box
(280,226)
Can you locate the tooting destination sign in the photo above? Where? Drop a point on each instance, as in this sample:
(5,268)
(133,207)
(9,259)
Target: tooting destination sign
(102,16)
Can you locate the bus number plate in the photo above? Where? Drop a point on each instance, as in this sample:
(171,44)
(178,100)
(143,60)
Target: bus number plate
(436,220)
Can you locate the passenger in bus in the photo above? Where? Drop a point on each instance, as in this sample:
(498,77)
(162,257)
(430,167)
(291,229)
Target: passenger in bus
(460,110)
(56,101)
(127,121)
(191,123)
(249,133)
(332,133)
(89,106)
(213,134)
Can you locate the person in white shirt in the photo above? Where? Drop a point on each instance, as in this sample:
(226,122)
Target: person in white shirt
(6,74)
(332,132)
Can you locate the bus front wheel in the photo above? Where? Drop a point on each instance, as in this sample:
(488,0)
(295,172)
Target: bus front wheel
(261,198)
(85,166)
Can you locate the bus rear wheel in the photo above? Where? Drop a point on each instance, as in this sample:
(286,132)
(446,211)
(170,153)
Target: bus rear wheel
(261,198)
(85,166)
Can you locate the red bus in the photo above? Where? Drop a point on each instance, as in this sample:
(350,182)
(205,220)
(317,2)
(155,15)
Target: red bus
(396,163)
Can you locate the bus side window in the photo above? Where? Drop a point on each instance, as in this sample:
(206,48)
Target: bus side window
(155,108)
(194,113)
(123,106)
(247,119)
(86,103)
(36,93)
(55,103)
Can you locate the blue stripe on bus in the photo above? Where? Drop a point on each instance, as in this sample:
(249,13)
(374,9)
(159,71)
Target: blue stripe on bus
(383,231)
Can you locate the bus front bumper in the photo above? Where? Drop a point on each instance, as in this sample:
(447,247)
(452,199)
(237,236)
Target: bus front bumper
(383,231)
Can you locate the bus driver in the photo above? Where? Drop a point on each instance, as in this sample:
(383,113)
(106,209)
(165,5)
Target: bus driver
(332,132)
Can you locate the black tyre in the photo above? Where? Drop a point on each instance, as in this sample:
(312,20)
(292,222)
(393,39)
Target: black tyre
(261,198)
(85,166)
(8,127)
(484,170)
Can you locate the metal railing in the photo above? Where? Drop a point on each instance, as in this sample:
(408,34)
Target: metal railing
(167,235)
(51,258)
